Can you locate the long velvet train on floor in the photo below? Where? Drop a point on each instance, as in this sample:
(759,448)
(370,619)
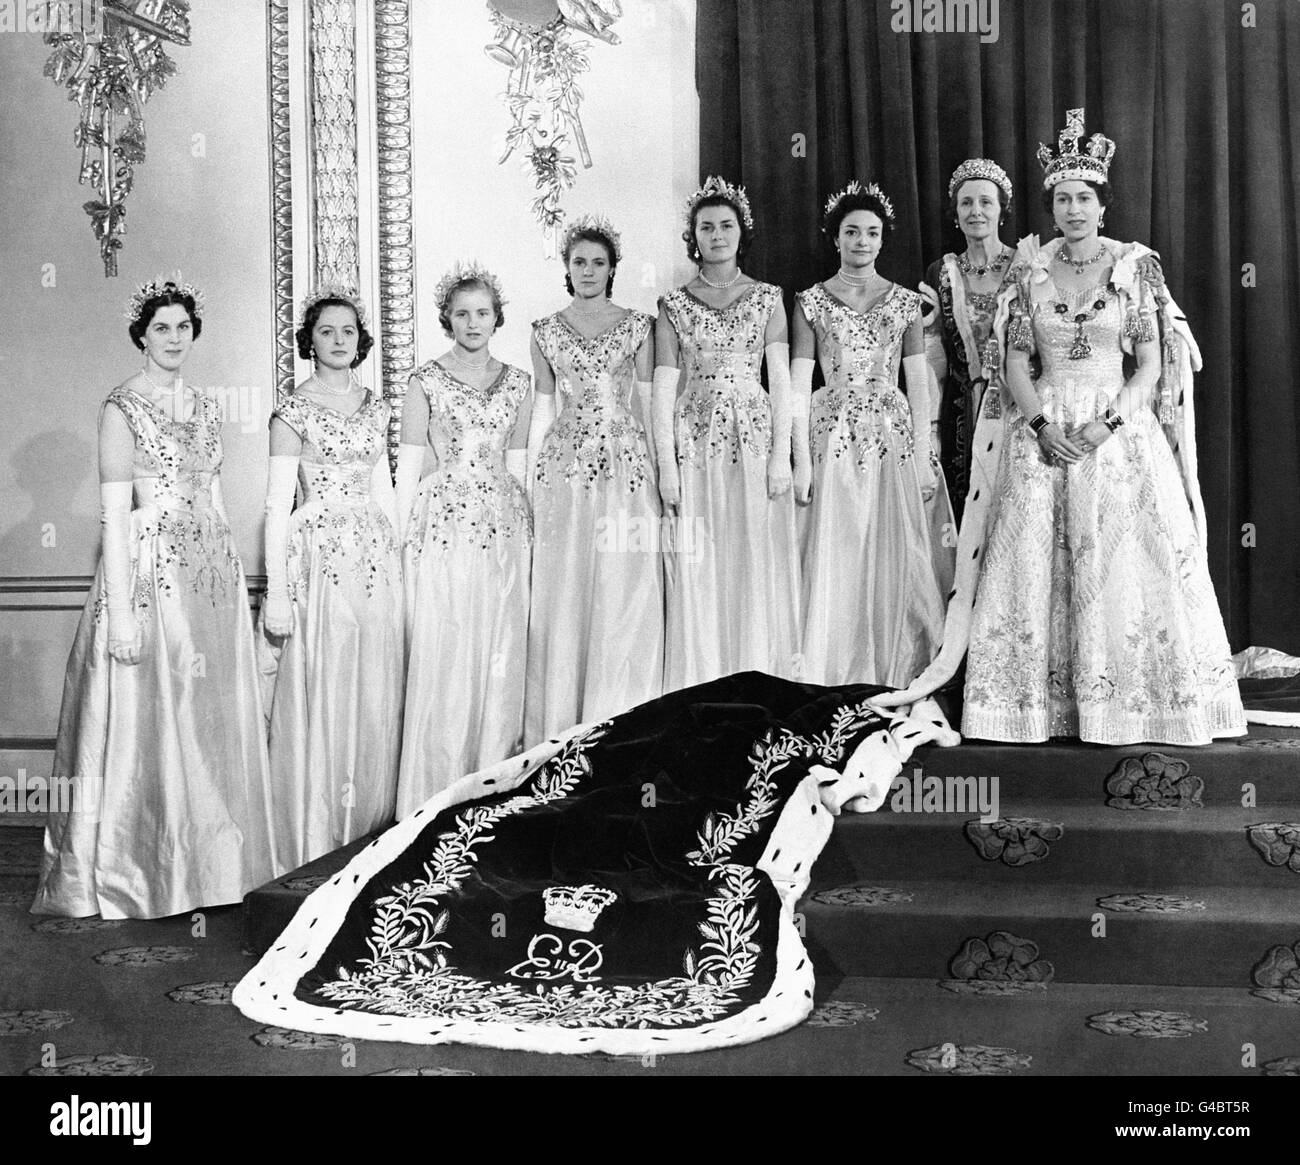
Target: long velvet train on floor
(627,888)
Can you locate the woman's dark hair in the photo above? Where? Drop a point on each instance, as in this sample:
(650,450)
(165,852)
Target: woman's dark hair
(590,235)
(365,341)
(688,235)
(833,218)
(1004,200)
(1102,189)
(444,308)
(170,298)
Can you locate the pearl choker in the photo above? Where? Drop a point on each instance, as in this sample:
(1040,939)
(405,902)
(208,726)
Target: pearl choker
(320,386)
(726,283)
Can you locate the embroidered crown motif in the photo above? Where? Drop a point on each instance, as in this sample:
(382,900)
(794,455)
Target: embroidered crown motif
(856,187)
(576,907)
(985,168)
(334,291)
(460,272)
(593,222)
(715,185)
(1069,164)
(158,286)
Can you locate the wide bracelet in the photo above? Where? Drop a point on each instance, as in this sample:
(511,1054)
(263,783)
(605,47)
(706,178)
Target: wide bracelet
(1112,421)
(1038,423)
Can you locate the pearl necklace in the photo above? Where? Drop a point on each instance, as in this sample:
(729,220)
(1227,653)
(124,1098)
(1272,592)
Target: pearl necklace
(966,267)
(177,384)
(1080,264)
(857,280)
(727,283)
(478,366)
(354,385)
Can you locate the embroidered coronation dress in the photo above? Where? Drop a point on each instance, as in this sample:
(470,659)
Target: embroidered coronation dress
(872,603)
(595,635)
(165,759)
(1095,615)
(333,688)
(466,563)
(733,573)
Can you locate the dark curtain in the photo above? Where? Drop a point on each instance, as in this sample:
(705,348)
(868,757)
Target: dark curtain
(798,96)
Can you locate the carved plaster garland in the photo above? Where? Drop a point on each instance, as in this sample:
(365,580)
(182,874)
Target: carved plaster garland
(535,39)
(110,55)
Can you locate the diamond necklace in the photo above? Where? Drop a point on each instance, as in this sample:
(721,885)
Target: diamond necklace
(1080,264)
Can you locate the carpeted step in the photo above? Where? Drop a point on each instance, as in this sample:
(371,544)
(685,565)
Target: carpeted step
(1173,932)
(1267,760)
(270,908)
(1069,841)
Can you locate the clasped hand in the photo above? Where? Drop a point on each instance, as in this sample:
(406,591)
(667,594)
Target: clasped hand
(1074,444)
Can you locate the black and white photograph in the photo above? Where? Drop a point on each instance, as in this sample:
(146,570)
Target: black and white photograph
(651,538)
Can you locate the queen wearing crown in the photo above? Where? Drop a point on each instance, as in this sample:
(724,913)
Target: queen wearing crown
(596,627)
(873,602)
(331,647)
(466,546)
(1083,592)
(962,291)
(160,749)
(724,455)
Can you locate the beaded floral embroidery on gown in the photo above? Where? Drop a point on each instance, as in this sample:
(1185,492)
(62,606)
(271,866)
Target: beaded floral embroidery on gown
(733,576)
(333,688)
(595,635)
(872,603)
(165,758)
(466,563)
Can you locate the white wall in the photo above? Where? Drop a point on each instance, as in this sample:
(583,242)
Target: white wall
(62,347)
(641,118)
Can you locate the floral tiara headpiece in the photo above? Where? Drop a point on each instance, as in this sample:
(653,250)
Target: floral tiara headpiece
(334,291)
(717,186)
(463,272)
(1070,164)
(162,285)
(592,222)
(856,187)
(984,168)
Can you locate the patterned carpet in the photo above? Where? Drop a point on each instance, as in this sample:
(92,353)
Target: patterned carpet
(89,997)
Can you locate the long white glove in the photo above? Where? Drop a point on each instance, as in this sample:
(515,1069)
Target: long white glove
(916,374)
(643,397)
(218,499)
(281,478)
(778,388)
(381,489)
(410,465)
(663,405)
(517,467)
(801,374)
(539,424)
(115,515)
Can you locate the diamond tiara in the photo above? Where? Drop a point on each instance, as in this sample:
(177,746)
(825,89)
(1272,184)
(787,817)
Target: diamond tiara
(593,222)
(714,185)
(856,187)
(334,291)
(461,272)
(980,168)
(160,285)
